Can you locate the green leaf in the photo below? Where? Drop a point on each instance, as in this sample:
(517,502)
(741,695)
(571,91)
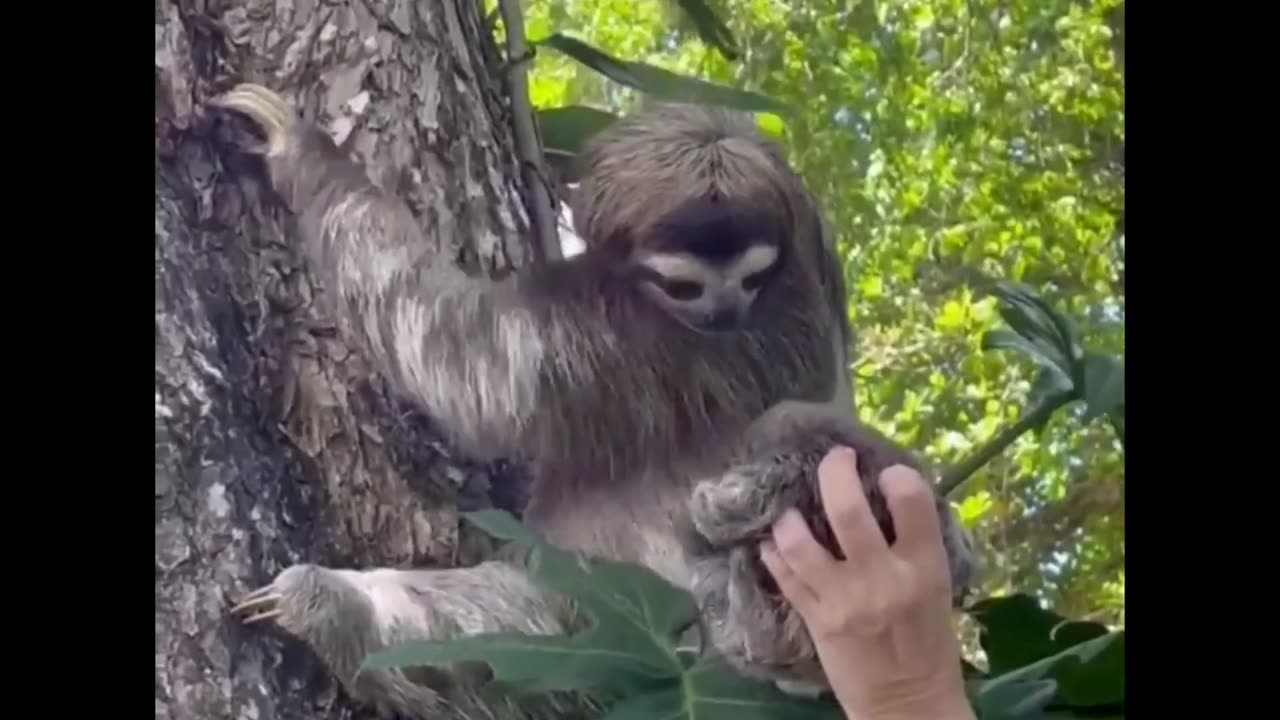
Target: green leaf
(1117,422)
(1088,675)
(1103,384)
(1017,631)
(665,703)
(629,651)
(660,83)
(1049,385)
(632,608)
(770,124)
(1036,321)
(1013,701)
(1043,354)
(502,525)
(1097,680)
(529,662)
(714,691)
(711,29)
(566,130)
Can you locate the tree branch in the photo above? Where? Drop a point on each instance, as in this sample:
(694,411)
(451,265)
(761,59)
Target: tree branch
(542,205)
(958,474)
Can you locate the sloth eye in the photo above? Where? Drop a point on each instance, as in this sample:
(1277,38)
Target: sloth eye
(754,280)
(680,289)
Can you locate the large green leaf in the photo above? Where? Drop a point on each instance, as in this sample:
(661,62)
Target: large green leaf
(711,28)
(1103,384)
(1039,324)
(1013,701)
(502,525)
(528,662)
(1090,674)
(628,652)
(1016,631)
(656,81)
(636,619)
(1044,355)
(566,130)
(1096,679)
(710,690)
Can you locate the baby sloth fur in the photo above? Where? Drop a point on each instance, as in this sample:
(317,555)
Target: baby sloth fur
(673,388)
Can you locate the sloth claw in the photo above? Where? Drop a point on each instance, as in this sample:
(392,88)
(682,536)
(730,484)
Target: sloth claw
(267,110)
(260,605)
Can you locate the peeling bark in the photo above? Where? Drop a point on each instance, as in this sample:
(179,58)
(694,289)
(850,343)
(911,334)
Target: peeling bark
(274,443)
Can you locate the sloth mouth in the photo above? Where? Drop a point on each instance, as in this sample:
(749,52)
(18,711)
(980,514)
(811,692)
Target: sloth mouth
(728,320)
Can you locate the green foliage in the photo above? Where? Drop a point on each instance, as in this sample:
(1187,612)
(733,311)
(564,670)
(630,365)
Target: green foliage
(629,656)
(566,129)
(946,140)
(711,28)
(657,82)
(1032,651)
(630,659)
(1066,372)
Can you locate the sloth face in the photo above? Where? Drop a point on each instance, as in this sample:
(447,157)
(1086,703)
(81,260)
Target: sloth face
(706,262)
(707,294)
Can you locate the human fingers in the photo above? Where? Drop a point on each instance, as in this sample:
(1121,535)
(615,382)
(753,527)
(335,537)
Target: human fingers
(792,586)
(915,516)
(808,560)
(846,506)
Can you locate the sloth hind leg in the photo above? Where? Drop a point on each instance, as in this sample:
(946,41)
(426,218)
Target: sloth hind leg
(346,615)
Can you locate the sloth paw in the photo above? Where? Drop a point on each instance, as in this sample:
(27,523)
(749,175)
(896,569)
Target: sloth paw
(285,601)
(743,503)
(311,603)
(749,624)
(269,112)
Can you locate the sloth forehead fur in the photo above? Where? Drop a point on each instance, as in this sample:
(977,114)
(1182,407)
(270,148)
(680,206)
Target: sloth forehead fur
(645,167)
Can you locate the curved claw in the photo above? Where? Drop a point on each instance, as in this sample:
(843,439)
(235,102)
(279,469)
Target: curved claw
(265,108)
(259,605)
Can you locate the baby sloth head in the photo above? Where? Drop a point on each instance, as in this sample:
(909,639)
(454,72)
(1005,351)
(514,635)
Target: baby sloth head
(706,264)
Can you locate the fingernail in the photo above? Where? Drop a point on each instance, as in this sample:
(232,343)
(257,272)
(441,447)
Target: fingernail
(837,456)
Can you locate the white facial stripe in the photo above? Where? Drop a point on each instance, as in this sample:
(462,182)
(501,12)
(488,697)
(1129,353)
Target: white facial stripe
(758,258)
(681,266)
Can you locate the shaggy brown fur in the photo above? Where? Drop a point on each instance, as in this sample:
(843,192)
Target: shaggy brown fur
(619,407)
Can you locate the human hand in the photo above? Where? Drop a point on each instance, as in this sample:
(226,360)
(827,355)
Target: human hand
(880,619)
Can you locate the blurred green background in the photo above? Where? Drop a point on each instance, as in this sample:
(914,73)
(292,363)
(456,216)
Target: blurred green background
(944,138)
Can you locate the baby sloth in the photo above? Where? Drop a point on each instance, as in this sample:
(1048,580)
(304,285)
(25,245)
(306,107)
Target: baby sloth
(774,468)
(673,388)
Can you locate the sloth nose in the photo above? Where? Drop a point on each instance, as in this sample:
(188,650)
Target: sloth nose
(723,319)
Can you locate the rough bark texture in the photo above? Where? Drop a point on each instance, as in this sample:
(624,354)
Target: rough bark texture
(274,444)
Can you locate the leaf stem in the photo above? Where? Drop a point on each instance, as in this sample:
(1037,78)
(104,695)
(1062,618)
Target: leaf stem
(1039,415)
(528,145)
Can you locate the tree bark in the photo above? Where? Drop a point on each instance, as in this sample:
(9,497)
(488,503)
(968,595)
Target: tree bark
(274,443)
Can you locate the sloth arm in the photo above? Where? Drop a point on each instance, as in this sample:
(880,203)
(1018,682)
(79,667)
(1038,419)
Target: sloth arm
(473,351)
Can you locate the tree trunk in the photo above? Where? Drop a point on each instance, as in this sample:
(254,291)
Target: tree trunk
(274,443)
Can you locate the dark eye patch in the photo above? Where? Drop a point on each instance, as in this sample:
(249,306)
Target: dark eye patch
(711,228)
(755,280)
(680,289)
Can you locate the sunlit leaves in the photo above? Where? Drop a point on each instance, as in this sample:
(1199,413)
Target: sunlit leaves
(943,137)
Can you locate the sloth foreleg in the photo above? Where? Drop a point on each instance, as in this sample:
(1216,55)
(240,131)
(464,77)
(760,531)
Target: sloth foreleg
(775,468)
(345,615)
